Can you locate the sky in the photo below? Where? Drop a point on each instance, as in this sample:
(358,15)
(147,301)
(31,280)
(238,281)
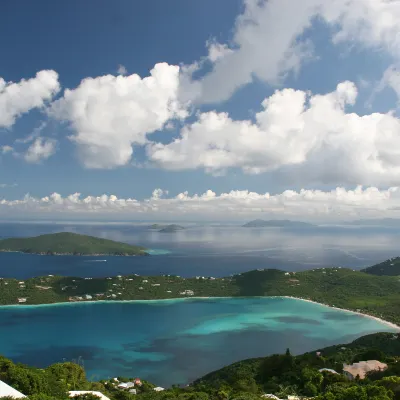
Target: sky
(236,110)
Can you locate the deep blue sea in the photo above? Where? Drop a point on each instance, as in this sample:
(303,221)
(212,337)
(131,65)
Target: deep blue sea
(177,341)
(172,341)
(215,251)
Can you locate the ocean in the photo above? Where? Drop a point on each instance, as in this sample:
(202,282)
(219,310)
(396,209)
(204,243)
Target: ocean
(206,250)
(171,342)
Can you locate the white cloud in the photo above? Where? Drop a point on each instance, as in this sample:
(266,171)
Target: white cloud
(6,149)
(391,79)
(338,204)
(110,114)
(267,42)
(40,149)
(314,133)
(35,133)
(7,185)
(19,98)
(122,70)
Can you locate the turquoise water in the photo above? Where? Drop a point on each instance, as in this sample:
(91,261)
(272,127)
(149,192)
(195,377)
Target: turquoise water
(172,341)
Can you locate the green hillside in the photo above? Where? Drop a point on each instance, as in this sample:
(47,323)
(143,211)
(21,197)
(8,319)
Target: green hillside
(69,243)
(389,267)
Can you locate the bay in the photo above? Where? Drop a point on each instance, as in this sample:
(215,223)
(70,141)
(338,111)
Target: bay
(174,341)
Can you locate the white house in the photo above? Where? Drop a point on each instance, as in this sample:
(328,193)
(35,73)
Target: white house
(158,389)
(74,393)
(8,391)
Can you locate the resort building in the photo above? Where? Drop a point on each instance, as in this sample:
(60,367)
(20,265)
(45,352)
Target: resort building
(361,368)
(158,389)
(74,393)
(8,391)
(21,300)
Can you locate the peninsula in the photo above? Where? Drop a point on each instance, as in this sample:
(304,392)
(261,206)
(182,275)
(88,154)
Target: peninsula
(377,296)
(68,243)
(278,223)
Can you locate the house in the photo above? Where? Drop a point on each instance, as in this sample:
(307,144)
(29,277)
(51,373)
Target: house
(270,396)
(88,297)
(22,300)
(74,393)
(132,391)
(138,382)
(361,368)
(126,385)
(8,391)
(158,389)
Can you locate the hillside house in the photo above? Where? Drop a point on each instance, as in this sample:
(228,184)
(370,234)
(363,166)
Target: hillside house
(361,368)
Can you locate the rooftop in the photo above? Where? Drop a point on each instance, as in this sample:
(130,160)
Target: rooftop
(8,391)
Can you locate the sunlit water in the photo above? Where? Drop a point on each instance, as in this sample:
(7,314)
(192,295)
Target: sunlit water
(172,341)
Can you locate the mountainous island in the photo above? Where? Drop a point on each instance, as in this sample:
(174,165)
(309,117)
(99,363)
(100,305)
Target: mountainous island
(279,223)
(318,375)
(166,228)
(68,243)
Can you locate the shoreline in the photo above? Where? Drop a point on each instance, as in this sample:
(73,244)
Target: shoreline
(177,299)
(383,321)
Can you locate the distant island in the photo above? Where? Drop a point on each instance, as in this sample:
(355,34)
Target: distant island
(282,223)
(68,243)
(166,228)
(363,292)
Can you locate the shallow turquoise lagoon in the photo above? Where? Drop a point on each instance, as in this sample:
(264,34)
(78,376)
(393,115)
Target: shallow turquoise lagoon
(172,341)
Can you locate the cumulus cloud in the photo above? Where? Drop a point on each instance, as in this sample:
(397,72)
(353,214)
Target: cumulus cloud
(337,204)
(41,149)
(314,133)
(20,97)
(268,41)
(109,114)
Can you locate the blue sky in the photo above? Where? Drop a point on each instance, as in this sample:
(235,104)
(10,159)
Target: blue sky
(245,102)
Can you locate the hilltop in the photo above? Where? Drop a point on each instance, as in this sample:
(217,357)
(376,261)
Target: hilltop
(70,243)
(390,267)
(280,223)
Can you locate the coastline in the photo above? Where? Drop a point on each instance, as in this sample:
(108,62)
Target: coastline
(383,321)
(178,299)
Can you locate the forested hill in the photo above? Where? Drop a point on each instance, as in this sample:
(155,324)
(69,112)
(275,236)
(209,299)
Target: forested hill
(69,243)
(389,267)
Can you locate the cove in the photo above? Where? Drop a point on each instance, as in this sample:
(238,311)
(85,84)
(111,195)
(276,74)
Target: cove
(173,341)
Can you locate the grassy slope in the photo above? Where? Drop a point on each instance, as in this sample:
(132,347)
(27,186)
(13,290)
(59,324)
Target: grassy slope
(71,243)
(389,267)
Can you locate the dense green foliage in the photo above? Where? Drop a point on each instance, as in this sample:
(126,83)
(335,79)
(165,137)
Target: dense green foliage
(344,288)
(69,243)
(389,267)
(279,374)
